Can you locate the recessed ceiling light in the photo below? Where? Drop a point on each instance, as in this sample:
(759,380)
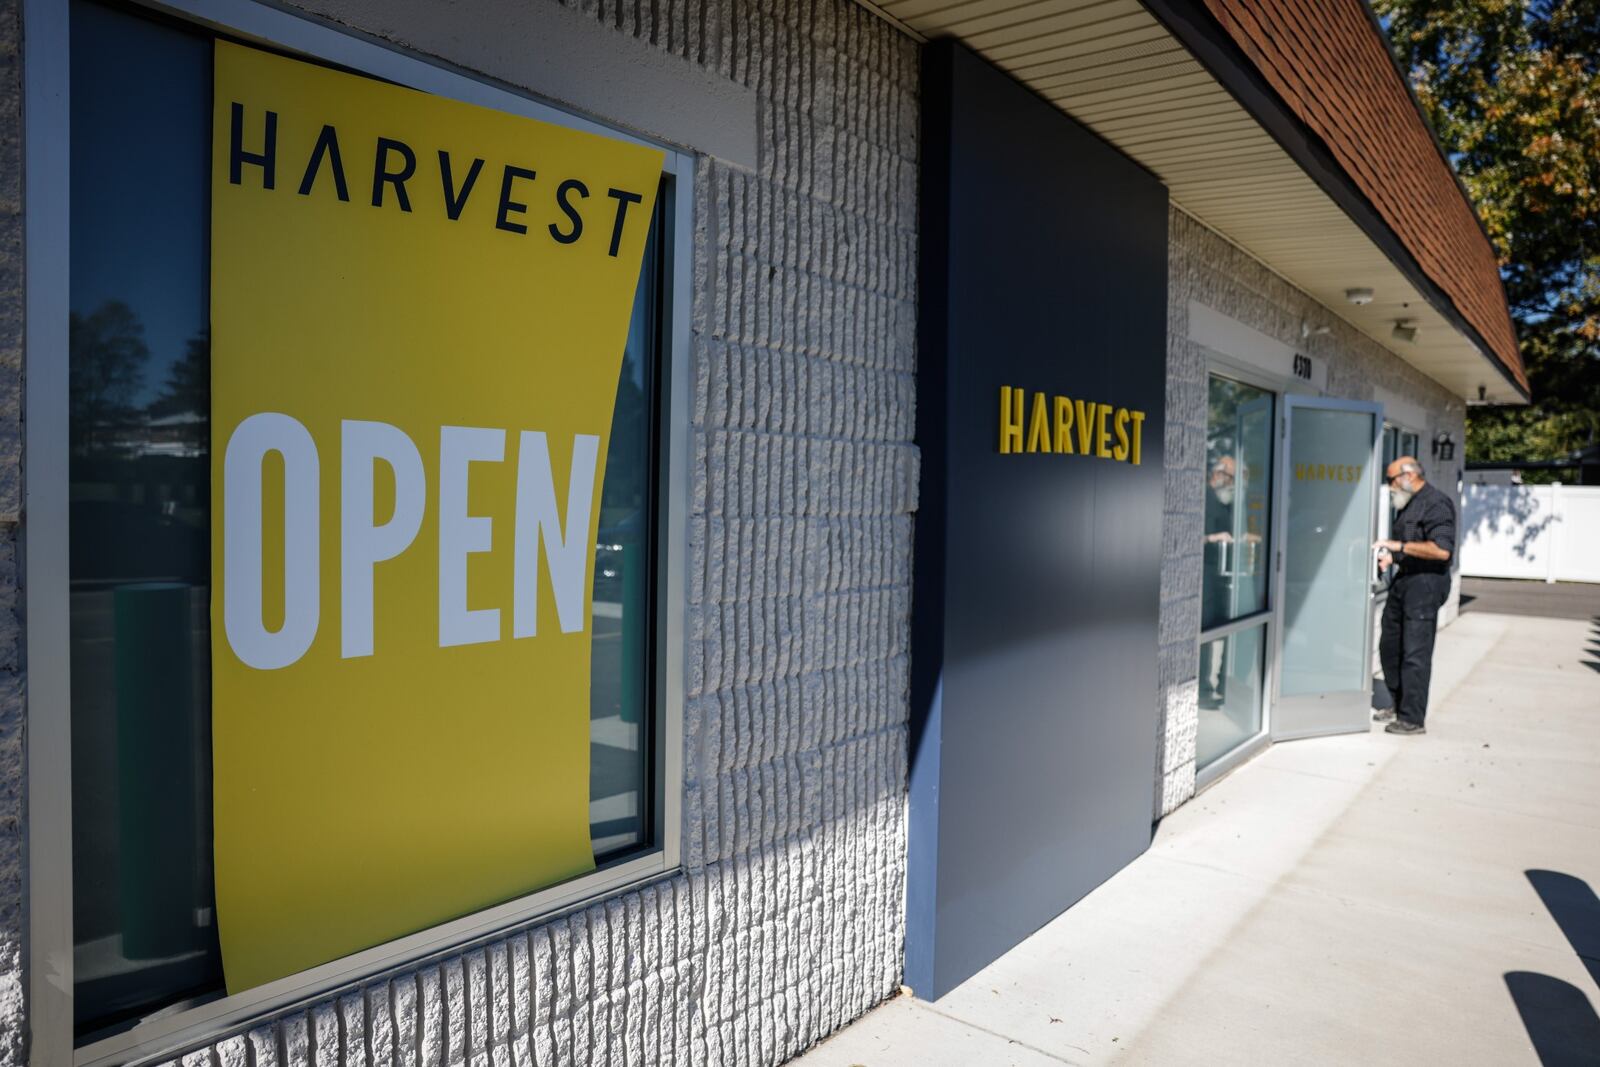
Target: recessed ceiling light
(1404,330)
(1358,296)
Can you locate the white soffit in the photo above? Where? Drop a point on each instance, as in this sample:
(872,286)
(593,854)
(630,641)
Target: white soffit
(1115,69)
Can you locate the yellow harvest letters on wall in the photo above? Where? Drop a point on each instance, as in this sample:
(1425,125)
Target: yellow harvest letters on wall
(418,311)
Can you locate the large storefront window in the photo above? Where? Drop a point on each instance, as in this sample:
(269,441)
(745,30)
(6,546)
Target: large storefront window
(1237,548)
(144,843)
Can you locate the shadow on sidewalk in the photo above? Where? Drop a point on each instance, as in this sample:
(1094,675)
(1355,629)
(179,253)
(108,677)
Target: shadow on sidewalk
(1576,910)
(1560,1021)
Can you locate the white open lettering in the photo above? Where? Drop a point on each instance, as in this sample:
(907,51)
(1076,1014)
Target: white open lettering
(242,569)
(540,527)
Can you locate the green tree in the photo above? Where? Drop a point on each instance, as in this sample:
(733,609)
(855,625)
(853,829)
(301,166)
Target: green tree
(1512,88)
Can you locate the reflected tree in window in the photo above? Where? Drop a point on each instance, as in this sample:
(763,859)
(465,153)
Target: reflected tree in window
(179,419)
(108,356)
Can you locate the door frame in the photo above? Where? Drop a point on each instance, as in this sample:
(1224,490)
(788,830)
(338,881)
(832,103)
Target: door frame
(1233,368)
(1291,402)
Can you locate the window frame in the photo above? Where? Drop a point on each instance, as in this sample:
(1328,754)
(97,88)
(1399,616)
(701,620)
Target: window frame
(1401,432)
(1219,364)
(44,530)
(1275,439)
(1386,507)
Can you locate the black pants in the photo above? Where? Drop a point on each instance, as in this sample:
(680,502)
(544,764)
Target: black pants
(1410,619)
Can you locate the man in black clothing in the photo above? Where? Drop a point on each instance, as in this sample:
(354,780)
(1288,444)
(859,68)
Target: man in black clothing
(1426,525)
(1216,585)
(1214,594)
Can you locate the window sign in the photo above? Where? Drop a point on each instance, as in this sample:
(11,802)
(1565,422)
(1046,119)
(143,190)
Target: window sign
(408,466)
(364,432)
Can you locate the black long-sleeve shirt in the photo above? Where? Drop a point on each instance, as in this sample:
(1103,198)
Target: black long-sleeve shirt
(1427,516)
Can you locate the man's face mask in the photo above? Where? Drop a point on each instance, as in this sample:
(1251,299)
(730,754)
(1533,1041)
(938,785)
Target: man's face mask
(1224,493)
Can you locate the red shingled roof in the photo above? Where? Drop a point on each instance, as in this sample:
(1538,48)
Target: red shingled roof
(1331,67)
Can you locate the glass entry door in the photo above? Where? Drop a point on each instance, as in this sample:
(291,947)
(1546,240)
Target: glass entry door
(1330,491)
(1235,620)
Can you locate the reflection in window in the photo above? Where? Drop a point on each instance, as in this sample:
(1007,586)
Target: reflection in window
(1237,548)
(139,405)
(1230,692)
(1237,534)
(619,689)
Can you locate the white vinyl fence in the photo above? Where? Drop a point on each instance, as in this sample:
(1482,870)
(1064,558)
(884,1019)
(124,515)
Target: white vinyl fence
(1531,531)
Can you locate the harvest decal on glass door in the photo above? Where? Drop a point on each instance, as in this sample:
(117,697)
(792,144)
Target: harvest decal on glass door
(1327,472)
(419,309)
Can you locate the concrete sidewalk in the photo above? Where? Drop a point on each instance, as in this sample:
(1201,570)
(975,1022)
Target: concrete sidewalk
(1363,899)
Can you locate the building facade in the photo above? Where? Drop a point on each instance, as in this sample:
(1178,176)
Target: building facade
(1207,270)
(763,869)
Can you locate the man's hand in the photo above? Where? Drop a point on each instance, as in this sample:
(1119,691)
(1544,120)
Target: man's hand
(1385,559)
(1390,547)
(1222,535)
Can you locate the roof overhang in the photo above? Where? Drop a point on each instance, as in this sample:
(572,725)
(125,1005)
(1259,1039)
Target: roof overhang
(1167,87)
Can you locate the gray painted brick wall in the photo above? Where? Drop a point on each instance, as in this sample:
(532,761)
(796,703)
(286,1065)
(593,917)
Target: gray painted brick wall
(1205,267)
(788,919)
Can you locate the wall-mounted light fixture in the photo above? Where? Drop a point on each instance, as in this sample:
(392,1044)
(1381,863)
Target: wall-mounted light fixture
(1444,446)
(1308,331)
(1404,330)
(1358,296)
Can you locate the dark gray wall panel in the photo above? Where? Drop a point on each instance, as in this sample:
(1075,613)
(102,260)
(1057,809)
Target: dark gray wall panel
(1037,586)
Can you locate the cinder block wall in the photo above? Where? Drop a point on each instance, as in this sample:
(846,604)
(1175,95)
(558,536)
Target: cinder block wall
(1205,267)
(789,919)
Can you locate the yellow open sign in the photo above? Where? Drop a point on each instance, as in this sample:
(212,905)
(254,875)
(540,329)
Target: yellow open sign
(414,364)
